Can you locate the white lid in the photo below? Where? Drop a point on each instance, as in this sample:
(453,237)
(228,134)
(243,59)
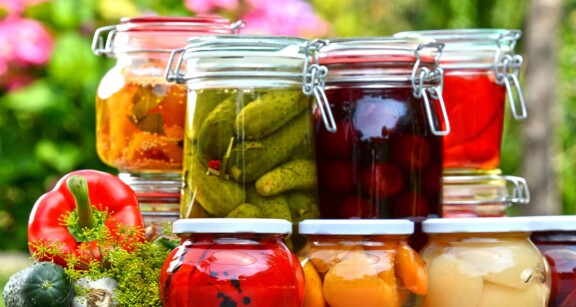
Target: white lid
(356,227)
(554,222)
(476,225)
(232,225)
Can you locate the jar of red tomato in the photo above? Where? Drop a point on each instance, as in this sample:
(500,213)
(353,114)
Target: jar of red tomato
(482,195)
(233,262)
(555,236)
(350,263)
(140,115)
(385,158)
(480,70)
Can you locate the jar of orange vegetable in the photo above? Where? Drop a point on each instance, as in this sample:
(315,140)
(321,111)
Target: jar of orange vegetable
(484,262)
(482,195)
(480,70)
(361,263)
(140,115)
(234,262)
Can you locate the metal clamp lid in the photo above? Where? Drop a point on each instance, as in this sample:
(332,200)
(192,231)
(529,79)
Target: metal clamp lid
(509,189)
(314,82)
(423,75)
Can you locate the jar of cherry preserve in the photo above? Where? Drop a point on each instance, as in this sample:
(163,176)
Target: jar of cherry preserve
(140,115)
(484,262)
(555,236)
(249,141)
(239,262)
(385,159)
(480,70)
(482,195)
(350,263)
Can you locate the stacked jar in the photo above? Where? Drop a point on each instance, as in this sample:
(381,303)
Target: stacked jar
(249,141)
(139,115)
(480,70)
(384,160)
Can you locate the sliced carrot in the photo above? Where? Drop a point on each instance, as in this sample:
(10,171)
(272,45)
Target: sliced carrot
(411,269)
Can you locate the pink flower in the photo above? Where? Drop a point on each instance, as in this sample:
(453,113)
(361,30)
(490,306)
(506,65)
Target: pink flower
(13,7)
(24,41)
(207,6)
(284,17)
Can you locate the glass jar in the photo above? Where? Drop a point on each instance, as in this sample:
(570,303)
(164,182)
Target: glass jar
(484,262)
(555,236)
(480,69)
(240,262)
(139,115)
(482,196)
(249,141)
(385,159)
(360,263)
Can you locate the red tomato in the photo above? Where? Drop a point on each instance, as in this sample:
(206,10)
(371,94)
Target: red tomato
(412,152)
(329,205)
(339,144)
(410,204)
(357,207)
(382,180)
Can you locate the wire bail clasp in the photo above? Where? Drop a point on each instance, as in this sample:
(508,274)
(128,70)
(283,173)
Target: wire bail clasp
(175,74)
(237,26)
(507,69)
(520,193)
(99,46)
(314,81)
(423,75)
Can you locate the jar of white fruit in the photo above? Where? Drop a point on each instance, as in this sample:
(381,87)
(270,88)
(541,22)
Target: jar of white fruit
(484,262)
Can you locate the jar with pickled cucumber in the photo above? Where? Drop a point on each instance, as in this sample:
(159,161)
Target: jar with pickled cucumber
(139,115)
(349,263)
(249,141)
(484,262)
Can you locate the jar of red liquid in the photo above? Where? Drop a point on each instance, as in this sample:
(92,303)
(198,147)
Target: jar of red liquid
(385,159)
(482,195)
(233,262)
(350,263)
(480,70)
(484,262)
(555,236)
(140,115)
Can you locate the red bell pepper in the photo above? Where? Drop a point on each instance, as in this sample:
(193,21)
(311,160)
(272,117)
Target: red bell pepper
(97,200)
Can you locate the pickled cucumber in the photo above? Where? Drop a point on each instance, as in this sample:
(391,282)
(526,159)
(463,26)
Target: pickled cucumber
(294,175)
(269,112)
(256,199)
(250,160)
(302,206)
(204,102)
(276,211)
(217,130)
(217,196)
(245,211)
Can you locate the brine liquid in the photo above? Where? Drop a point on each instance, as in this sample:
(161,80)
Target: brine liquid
(140,126)
(383,161)
(475,107)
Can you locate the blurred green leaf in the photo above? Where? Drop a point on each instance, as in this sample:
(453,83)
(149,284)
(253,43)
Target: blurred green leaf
(34,98)
(63,157)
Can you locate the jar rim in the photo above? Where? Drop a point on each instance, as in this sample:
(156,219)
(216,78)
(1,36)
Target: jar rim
(555,223)
(473,35)
(478,225)
(228,225)
(356,227)
(484,189)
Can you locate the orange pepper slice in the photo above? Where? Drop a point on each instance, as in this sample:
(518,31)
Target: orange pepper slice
(313,295)
(411,269)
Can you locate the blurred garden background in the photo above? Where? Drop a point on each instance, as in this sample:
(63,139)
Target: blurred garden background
(48,79)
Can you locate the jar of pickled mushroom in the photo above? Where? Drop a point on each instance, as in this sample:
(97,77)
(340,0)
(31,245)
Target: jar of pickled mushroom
(480,70)
(249,141)
(240,262)
(555,236)
(385,158)
(482,195)
(140,115)
(484,262)
(349,263)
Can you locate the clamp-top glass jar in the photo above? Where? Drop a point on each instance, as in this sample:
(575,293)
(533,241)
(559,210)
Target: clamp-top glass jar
(139,115)
(249,141)
(482,196)
(480,69)
(385,159)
